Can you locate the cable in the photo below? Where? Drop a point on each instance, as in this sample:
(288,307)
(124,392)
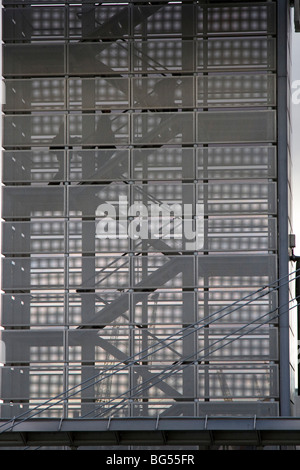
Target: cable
(181,362)
(63,394)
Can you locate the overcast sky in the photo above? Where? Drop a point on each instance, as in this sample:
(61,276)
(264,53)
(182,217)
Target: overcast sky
(295,136)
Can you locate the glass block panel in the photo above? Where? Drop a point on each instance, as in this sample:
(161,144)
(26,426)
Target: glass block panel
(163,92)
(158,128)
(236,126)
(33,273)
(236,90)
(98,58)
(94,21)
(34,309)
(97,93)
(236,162)
(36,166)
(24,202)
(163,56)
(98,165)
(33,130)
(46,236)
(163,164)
(31,23)
(34,94)
(33,59)
(107,129)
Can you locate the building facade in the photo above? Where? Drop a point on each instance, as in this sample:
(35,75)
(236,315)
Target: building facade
(145,209)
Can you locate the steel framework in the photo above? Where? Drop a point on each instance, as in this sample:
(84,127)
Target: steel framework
(112,109)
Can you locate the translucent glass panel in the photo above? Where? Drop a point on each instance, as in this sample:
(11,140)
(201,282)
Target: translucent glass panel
(218,234)
(36,166)
(33,237)
(163,164)
(236,90)
(33,130)
(224,384)
(224,271)
(154,92)
(92,22)
(227,384)
(236,54)
(239,19)
(111,129)
(160,56)
(217,343)
(33,59)
(241,234)
(113,21)
(166,92)
(158,128)
(33,309)
(98,58)
(152,20)
(24,202)
(33,23)
(98,165)
(34,94)
(92,201)
(33,273)
(104,129)
(156,308)
(160,163)
(250,161)
(110,344)
(238,306)
(237,126)
(104,272)
(152,56)
(94,93)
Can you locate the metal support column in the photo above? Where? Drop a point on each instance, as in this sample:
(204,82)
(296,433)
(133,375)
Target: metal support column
(283,255)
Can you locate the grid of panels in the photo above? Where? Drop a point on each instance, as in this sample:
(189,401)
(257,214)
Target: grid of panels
(125,108)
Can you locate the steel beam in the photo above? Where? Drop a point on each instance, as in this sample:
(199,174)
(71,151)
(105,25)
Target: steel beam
(204,431)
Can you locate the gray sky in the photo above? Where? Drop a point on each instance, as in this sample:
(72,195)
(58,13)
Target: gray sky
(295,136)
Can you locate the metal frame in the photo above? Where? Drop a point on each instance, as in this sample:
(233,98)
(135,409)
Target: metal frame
(205,431)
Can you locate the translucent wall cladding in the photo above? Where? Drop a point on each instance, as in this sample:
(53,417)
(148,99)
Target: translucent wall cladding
(139,207)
